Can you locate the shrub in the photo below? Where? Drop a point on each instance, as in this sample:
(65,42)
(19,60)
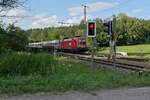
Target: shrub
(26,63)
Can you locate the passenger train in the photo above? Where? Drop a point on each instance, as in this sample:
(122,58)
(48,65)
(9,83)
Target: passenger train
(75,44)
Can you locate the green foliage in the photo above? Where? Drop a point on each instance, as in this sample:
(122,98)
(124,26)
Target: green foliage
(30,73)
(26,63)
(129,30)
(13,38)
(132,30)
(53,33)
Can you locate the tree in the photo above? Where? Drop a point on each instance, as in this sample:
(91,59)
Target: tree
(16,38)
(132,30)
(9,4)
(101,35)
(129,30)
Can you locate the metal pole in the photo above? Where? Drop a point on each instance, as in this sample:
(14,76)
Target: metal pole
(114,40)
(85,11)
(93,52)
(110,39)
(114,37)
(85,14)
(85,19)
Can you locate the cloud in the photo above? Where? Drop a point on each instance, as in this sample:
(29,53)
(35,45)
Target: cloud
(15,15)
(93,7)
(76,20)
(43,20)
(14,12)
(137,10)
(73,21)
(88,17)
(29,19)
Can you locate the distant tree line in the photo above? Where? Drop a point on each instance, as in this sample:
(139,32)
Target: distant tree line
(129,30)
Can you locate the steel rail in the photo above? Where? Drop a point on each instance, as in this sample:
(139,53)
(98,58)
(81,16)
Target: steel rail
(117,64)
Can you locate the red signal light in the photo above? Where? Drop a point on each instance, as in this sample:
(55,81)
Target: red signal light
(91,30)
(91,26)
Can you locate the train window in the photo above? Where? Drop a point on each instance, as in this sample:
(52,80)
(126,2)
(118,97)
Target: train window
(82,41)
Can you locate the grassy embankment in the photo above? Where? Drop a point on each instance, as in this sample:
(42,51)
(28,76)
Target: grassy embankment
(30,73)
(133,50)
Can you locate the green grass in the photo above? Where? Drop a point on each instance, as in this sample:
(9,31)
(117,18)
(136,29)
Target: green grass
(26,63)
(21,73)
(133,50)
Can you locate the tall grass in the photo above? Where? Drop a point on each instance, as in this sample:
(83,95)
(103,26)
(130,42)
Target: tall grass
(26,63)
(28,73)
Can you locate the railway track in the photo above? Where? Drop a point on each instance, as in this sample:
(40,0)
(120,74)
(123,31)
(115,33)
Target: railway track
(105,62)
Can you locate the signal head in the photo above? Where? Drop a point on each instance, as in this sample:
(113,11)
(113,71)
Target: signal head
(91,29)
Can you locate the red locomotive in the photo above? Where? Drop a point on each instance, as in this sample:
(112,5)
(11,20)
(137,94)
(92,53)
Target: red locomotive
(76,45)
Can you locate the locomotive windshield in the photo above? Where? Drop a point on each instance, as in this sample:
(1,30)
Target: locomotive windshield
(83,41)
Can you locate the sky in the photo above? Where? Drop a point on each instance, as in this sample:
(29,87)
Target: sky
(47,13)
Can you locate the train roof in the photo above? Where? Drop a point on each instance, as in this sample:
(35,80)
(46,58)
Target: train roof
(44,42)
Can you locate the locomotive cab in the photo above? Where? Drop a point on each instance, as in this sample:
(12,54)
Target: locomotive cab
(82,44)
(75,45)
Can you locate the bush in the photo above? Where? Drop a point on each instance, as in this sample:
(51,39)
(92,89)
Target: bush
(26,63)
(30,73)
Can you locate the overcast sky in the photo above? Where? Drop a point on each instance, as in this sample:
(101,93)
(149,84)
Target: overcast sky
(46,13)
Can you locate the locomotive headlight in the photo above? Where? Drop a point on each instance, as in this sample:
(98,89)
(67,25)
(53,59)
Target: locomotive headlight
(70,44)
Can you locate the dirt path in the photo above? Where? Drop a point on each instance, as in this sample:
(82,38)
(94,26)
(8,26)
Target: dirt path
(118,94)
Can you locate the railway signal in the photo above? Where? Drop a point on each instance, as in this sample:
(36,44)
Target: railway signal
(91,29)
(108,27)
(91,32)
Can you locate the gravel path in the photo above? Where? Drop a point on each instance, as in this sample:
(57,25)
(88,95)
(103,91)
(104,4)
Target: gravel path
(118,94)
